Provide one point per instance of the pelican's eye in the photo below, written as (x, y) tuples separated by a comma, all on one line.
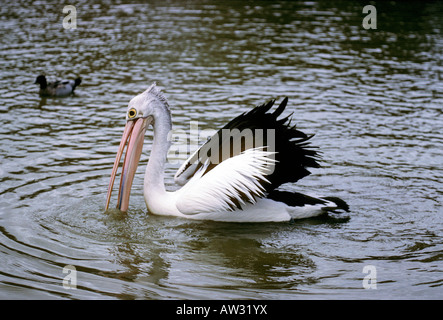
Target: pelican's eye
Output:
[(131, 113)]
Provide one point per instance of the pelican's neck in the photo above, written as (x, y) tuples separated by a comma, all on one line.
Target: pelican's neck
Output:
[(154, 176)]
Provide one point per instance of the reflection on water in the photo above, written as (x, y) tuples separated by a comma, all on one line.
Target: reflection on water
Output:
[(372, 97)]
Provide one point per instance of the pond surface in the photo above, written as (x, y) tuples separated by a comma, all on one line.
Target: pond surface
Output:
[(372, 97)]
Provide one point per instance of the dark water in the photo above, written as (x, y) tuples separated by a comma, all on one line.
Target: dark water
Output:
[(372, 97)]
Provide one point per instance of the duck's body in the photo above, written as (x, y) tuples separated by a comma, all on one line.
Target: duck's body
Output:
[(229, 178), (58, 88)]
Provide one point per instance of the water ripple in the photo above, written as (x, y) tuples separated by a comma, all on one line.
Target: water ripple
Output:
[(372, 97)]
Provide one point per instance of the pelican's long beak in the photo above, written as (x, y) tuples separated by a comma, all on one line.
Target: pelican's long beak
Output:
[(133, 135)]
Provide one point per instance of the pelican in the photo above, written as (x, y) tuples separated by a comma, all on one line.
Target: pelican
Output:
[(57, 88), (227, 178)]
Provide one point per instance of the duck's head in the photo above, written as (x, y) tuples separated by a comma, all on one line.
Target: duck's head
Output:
[(41, 79)]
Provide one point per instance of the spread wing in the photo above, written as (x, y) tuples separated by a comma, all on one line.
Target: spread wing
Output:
[(226, 152), (229, 185)]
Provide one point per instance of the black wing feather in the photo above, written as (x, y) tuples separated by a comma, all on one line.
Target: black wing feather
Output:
[(294, 154)]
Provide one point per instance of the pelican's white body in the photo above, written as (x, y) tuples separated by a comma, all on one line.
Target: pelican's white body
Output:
[(264, 210)]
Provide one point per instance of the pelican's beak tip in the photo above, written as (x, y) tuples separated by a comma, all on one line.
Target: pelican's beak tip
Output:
[(115, 213)]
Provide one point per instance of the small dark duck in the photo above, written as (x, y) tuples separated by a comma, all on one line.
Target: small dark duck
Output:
[(58, 88)]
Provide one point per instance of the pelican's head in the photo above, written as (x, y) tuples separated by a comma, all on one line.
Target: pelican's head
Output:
[(149, 103), (142, 110)]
